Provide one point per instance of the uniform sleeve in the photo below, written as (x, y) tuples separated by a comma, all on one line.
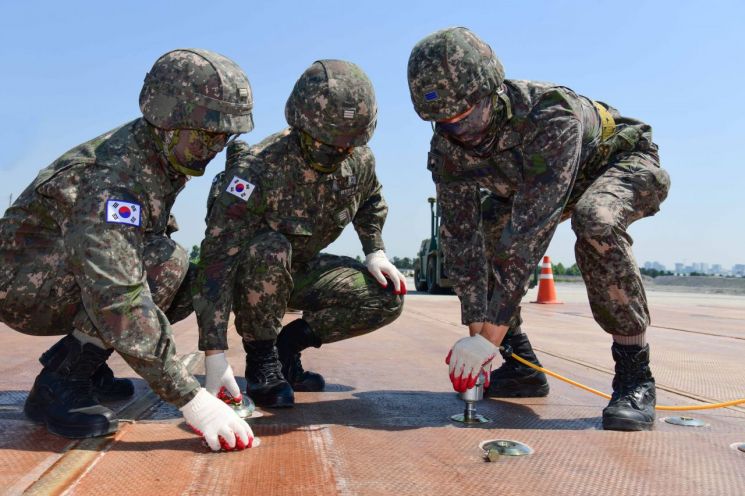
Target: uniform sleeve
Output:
[(370, 217), (231, 222), (551, 153), (106, 257), (461, 239)]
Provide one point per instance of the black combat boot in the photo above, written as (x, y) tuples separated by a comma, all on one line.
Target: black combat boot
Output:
[(294, 338), (265, 383), (106, 387), (62, 396), (513, 379), (631, 407)]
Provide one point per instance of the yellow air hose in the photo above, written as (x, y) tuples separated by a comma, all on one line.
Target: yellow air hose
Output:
[(607, 397)]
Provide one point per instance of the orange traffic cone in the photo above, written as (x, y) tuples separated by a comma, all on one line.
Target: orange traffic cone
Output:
[(546, 288)]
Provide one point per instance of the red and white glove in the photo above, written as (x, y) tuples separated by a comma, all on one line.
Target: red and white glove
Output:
[(219, 374), (379, 266), (467, 358), (217, 422)]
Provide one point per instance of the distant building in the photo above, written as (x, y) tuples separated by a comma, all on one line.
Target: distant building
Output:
[(680, 268), (738, 270), (654, 266)]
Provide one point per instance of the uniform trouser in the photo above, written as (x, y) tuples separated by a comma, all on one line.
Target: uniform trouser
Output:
[(43, 299), (338, 296), (631, 186)]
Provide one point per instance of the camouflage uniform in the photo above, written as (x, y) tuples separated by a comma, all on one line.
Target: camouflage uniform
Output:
[(549, 163), (550, 154), (64, 267), (261, 251), (86, 245)]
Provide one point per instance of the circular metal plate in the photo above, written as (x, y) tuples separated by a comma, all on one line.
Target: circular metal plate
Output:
[(254, 414), (476, 419), (685, 421), (245, 409), (498, 447), (738, 446)]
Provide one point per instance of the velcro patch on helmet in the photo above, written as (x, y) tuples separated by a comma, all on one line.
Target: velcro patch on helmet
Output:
[(431, 95), (349, 113), (121, 212), (240, 188)]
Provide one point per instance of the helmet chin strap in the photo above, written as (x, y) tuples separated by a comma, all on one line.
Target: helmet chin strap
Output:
[(324, 169), (506, 103), (307, 149)]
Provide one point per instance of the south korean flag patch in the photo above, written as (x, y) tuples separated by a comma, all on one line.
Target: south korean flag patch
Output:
[(240, 188), (121, 212)]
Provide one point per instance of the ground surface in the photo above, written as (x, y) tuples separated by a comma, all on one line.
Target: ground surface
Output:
[(383, 426)]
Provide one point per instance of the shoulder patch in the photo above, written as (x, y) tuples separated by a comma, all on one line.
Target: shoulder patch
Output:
[(122, 212), (240, 188)]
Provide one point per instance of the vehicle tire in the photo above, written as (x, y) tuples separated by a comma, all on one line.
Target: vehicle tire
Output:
[(419, 284), (432, 286)]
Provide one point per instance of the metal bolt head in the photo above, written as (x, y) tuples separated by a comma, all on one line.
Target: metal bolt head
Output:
[(493, 455)]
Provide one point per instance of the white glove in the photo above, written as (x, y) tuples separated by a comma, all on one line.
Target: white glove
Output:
[(219, 374), (217, 422), (379, 266), (467, 358)]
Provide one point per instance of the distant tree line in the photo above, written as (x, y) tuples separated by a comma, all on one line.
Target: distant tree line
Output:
[(559, 270), (655, 273), (403, 263)]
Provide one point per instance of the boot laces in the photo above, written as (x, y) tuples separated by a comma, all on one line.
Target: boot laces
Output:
[(267, 365), (79, 380), (630, 378), (296, 368)]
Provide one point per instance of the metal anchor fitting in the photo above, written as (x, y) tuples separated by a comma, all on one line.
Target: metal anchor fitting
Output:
[(470, 397)]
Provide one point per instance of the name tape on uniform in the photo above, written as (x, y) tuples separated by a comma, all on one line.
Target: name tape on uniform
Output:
[(121, 212), (240, 188)]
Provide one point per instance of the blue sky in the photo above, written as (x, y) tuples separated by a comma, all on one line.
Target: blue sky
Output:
[(72, 70)]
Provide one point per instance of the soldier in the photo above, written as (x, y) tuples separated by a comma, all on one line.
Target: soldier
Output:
[(85, 253), (544, 154), (272, 211)]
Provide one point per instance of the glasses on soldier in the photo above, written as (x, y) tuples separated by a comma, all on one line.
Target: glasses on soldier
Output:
[(215, 142), (473, 122)]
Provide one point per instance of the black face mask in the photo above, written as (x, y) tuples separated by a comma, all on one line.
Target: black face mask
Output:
[(322, 157), (477, 130)]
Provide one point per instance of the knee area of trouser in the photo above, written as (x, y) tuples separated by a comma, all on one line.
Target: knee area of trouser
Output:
[(592, 222), (393, 306)]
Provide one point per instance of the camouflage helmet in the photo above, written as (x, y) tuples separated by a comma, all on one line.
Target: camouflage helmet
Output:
[(334, 102), (197, 89), (450, 71)]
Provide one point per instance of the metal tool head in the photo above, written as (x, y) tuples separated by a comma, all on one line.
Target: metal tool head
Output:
[(470, 397), (476, 393)]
